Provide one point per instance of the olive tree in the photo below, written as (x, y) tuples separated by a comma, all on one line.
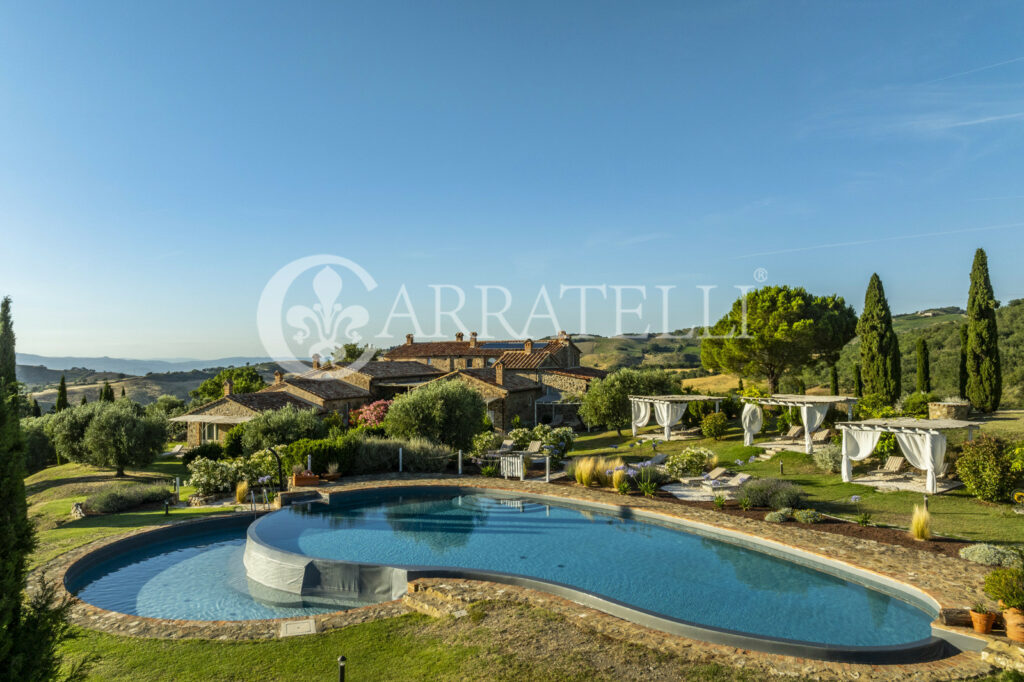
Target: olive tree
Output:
[(446, 412), (606, 402), (121, 434)]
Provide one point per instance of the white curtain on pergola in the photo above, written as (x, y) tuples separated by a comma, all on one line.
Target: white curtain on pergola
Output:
[(668, 414), (924, 450), (752, 419), (641, 414), (857, 445), (812, 416)]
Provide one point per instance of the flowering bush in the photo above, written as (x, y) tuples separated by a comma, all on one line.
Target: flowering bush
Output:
[(690, 462), (483, 442), (558, 442), (372, 414), (210, 476)]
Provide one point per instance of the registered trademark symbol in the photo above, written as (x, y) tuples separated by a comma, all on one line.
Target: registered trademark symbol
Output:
[(760, 275)]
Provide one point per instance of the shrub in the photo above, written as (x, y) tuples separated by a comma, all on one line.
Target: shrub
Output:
[(921, 524), (446, 412), (38, 448), (482, 442), (1006, 585), (828, 458), (118, 497), (782, 422), (377, 455), (232, 444), (719, 501), (281, 427), (520, 438), (776, 517), (714, 425), (984, 466), (690, 462), (731, 407), (211, 476), (322, 452), (211, 451), (489, 470), (557, 441), (771, 492), (991, 555), (372, 414), (808, 516), (916, 404)]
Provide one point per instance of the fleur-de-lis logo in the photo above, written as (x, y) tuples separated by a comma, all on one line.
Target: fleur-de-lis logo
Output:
[(321, 327), (326, 316)]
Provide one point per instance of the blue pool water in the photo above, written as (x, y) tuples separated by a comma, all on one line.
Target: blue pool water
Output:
[(199, 577), (657, 568)]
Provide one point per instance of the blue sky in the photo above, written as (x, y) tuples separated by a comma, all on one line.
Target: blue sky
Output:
[(159, 162)]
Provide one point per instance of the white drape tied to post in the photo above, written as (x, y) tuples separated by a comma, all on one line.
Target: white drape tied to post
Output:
[(752, 419), (668, 415), (924, 451), (857, 445), (641, 414), (812, 416)]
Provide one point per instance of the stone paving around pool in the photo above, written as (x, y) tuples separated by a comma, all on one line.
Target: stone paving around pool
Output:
[(953, 583)]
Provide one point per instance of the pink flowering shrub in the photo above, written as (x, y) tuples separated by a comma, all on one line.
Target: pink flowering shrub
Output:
[(372, 414)]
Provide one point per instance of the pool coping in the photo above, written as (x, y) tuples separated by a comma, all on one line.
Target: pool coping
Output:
[(952, 583)]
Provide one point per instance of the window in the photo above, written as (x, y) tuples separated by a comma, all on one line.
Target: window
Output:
[(209, 432)]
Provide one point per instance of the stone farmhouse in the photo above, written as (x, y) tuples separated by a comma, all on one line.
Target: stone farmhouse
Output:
[(517, 379)]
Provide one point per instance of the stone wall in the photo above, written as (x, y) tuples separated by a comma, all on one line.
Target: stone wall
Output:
[(949, 410)]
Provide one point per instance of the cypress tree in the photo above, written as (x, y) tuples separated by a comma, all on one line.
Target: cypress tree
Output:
[(879, 347), (107, 393), (84, 400), (122, 392), (740, 388), (924, 374), (62, 395), (31, 629), (36, 410), (858, 383), (962, 375), (835, 380), (984, 375), (8, 377)]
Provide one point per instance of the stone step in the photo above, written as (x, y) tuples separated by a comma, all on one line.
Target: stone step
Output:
[(432, 605)]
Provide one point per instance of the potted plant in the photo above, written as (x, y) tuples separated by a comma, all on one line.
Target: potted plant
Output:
[(1007, 586), (982, 618), (332, 472), (300, 477)]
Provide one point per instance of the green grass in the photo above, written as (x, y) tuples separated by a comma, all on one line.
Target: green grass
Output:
[(954, 514), (52, 491)]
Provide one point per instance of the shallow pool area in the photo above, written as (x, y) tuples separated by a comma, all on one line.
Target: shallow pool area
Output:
[(197, 577)]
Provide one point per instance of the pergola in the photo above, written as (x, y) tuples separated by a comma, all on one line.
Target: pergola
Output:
[(922, 441), (813, 409), (668, 409)]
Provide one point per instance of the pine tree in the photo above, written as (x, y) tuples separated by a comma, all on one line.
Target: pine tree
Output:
[(8, 377), (962, 375), (36, 410), (62, 395), (924, 374), (858, 383), (984, 375), (879, 347), (835, 380)]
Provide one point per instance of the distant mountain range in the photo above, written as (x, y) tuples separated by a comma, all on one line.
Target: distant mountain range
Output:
[(130, 366)]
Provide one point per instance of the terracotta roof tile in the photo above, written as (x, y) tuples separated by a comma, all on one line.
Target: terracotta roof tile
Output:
[(512, 382), (377, 369), (328, 388), (581, 372)]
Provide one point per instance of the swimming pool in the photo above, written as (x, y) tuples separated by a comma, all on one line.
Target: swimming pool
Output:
[(652, 567), (662, 572)]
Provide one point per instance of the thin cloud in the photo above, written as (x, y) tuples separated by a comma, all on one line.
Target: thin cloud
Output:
[(977, 70), (880, 240)]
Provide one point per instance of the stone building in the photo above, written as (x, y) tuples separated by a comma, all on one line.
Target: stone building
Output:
[(507, 395), (211, 422)]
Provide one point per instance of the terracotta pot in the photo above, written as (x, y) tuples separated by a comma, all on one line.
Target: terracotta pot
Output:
[(1014, 624), (330, 477), (983, 621), (300, 480)]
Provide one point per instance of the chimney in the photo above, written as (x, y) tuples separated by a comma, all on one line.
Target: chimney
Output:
[(472, 340), (562, 336), (408, 339), (316, 361), (278, 377), (458, 336), (499, 373), (528, 346), (228, 385)]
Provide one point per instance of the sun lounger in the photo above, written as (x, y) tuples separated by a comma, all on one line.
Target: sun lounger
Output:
[(533, 448), (893, 465), (506, 446), (734, 482), (795, 432), (821, 436)]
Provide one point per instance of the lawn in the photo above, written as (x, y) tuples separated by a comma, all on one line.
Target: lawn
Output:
[(955, 514), (52, 491)]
